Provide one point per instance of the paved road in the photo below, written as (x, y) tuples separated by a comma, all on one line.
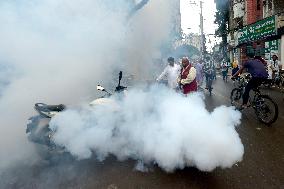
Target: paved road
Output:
[(262, 166)]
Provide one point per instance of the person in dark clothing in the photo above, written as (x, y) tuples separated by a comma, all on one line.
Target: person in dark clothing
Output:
[(261, 60), (258, 72), (208, 71), (235, 69), (224, 69)]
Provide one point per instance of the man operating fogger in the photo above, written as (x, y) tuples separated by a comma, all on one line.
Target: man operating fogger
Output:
[(171, 72)]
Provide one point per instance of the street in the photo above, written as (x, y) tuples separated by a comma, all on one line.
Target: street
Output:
[(262, 165)]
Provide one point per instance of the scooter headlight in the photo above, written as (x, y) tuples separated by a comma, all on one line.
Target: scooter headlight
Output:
[(29, 121)]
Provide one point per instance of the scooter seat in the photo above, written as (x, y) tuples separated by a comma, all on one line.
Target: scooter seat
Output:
[(49, 108)]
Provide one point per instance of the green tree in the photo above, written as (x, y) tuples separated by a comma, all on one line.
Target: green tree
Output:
[(222, 20), (186, 50)]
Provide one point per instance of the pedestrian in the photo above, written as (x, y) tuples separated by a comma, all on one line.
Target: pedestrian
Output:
[(199, 73), (235, 68), (187, 78), (258, 72), (269, 71), (224, 69), (275, 68), (171, 72)]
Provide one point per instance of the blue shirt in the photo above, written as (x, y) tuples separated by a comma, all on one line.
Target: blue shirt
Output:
[(256, 68)]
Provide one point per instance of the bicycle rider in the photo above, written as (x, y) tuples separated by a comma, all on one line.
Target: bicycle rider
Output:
[(209, 71), (258, 72)]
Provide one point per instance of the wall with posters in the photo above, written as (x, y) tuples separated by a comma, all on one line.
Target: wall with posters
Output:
[(271, 48)]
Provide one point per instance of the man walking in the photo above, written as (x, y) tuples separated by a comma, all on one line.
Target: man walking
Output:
[(199, 73), (171, 72), (275, 69)]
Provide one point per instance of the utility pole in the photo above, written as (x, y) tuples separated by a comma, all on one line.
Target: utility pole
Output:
[(202, 36), (203, 40)]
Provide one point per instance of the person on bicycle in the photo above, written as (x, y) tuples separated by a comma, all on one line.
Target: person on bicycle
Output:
[(208, 71), (214, 71), (171, 72), (258, 72), (187, 78)]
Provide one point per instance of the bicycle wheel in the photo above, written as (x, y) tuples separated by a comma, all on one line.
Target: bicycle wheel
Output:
[(266, 109), (267, 83), (210, 81), (210, 90), (236, 96)]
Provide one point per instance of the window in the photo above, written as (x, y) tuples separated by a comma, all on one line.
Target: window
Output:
[(258, 4)]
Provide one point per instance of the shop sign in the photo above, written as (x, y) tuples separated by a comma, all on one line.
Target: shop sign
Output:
[(259, 30), (271, 47)]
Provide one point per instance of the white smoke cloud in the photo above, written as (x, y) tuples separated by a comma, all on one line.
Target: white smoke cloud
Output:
[(59, 50), (56, 51), (153, 125)]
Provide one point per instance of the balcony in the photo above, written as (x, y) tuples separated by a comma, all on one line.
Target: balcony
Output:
[(239, 8)]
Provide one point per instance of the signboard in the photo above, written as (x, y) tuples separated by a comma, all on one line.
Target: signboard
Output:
[(271, 47), (259, 30)]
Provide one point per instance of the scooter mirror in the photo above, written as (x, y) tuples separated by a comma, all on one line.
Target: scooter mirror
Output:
[(100, 88), (120, 75)]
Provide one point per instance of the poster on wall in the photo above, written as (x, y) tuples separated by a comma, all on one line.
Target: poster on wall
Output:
[(271, 48)]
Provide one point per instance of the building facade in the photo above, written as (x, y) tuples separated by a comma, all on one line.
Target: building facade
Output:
[(177, 17), (190, 39), (256, 25)]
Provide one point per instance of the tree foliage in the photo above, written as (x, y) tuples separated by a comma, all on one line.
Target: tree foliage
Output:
[(186, 50), (222, 19)]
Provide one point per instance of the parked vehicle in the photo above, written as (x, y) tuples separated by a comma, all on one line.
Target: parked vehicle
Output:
[(38, 130)]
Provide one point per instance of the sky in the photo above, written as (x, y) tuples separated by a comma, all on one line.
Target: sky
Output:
[(190, 17)]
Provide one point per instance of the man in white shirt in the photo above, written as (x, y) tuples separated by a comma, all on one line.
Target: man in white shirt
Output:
[(275, 66), (171, 72)]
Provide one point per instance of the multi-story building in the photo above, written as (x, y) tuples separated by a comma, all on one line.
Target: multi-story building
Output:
[(177, 17), (190, 39), (256, 25)]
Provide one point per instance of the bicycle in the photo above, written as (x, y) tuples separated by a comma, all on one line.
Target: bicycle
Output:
[(278, 81), (281, 78), (265, 108), (209, 81)]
